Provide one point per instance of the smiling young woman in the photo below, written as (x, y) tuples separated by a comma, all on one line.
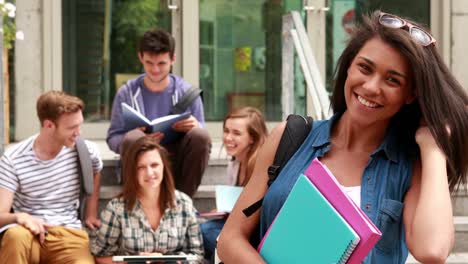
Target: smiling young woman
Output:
[(393, 100), (244, 131), (150, 216)]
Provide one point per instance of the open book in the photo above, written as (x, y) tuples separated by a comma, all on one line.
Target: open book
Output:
[(158, 259), (308, 229), (133, 119), (326, 183)]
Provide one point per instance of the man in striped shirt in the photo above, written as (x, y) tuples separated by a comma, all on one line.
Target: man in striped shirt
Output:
[(39, 179)]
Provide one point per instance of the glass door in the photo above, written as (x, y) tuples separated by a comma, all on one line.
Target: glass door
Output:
[(240, 55)]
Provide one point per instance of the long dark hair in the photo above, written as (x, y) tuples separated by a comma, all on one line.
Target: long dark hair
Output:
[(441, 100), (129, 168)]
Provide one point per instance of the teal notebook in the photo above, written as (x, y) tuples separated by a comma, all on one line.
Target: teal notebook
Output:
[(308, 229)]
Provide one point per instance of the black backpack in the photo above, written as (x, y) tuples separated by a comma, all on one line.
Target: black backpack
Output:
[(296, 130)]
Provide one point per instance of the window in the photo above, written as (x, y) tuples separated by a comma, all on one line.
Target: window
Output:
[(100, 43)]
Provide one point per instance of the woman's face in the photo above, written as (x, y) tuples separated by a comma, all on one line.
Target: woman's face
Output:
[(236, 137), (150, 170), (378, 83)]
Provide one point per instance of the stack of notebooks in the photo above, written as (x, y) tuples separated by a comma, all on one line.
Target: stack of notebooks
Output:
[(133, 119), (318, 223)]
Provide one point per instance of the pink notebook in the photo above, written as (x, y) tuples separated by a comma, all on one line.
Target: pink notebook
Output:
[(326, 183)]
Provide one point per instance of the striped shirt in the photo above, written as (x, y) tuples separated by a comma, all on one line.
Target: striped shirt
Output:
[(47, 189), (124, 232)]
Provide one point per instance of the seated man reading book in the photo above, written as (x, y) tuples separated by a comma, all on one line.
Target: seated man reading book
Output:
[(153, 94)]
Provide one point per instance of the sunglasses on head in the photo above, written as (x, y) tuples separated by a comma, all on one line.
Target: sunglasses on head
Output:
[(418, 34)]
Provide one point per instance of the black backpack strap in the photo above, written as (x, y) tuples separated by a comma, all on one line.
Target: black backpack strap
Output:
[(253, 208), (186, 100), (296, 130)]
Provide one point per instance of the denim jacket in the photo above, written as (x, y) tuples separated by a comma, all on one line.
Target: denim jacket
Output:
[(384, 183)]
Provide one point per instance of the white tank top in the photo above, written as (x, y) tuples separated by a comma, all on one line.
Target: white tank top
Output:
[(354, 192)]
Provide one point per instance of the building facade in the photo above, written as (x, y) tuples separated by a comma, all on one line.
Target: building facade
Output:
[(229, 48)]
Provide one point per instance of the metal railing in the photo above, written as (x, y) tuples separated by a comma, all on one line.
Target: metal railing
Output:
[(295, 39)]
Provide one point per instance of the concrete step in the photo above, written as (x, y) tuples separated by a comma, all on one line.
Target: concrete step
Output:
[(461, 234), (204, 198), (454, 258), (460, 201), (214, 174)]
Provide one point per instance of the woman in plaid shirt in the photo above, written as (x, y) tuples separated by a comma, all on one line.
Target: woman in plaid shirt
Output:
[(150, 216)]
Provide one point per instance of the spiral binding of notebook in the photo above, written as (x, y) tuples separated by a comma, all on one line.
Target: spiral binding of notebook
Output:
[(347, 254)]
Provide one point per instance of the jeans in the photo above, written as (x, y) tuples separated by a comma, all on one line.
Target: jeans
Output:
[(210, 231)]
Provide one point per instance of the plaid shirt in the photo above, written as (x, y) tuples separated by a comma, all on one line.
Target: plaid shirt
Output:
[(127, 233)]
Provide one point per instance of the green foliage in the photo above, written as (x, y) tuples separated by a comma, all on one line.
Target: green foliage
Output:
[(134, 16), (7, 11), (130, 19), (9, 33)]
